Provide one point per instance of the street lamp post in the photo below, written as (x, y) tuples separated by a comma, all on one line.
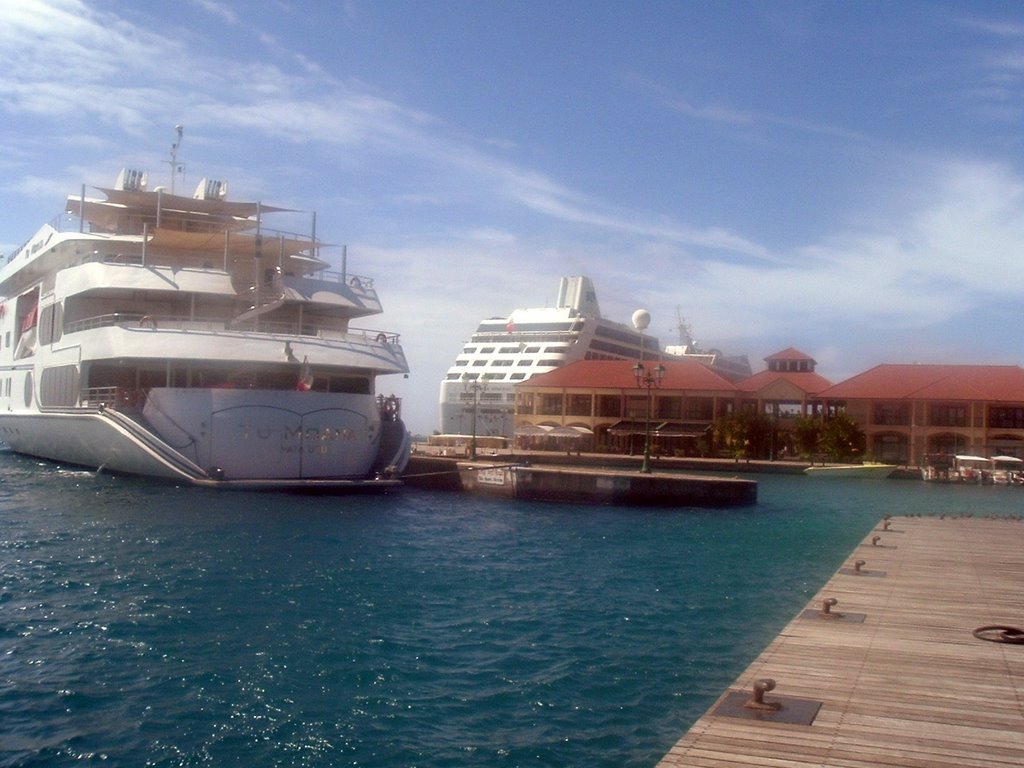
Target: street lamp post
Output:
[(474, 388), (649, 379)]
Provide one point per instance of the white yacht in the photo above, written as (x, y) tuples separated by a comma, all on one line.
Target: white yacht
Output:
[(505, 351), (176, 337)]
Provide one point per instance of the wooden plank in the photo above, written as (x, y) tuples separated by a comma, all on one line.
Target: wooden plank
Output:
[(910, 686)]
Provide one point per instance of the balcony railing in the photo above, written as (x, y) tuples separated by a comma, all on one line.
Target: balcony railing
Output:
[(132, 320)]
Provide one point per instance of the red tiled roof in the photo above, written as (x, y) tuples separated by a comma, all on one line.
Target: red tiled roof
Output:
[(807, 381), (618, 374), (790, 353), (991, 383)]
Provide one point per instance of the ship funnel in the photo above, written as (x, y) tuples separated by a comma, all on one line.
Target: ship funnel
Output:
[(579, 294), (129, 180), (211, 189)]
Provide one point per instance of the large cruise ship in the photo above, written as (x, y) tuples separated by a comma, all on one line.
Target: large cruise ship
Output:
[(505, 351), (178, 337)]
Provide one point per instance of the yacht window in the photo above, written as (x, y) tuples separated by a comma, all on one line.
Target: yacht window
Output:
[(479, 362), (460, 362), (485, 350), (530, 350), (508, 350), (518, 376), (555, 350), (553, 363), (525, 362), (469, 349), (501, 363)]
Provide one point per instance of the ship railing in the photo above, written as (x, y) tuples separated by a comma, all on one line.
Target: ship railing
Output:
[(358, 282), (514, 336), (95, 397), (132, 320)]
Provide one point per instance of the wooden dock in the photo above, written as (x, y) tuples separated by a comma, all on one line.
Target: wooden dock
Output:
[(899, 678)]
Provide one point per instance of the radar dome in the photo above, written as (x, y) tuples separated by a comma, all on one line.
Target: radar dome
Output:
[(641, 319)]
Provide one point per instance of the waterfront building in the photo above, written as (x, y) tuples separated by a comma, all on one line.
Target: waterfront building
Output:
[(908, 412), (786, 390), (597, 404)]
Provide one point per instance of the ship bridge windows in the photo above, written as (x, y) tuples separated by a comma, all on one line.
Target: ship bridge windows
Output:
[(615, 349)]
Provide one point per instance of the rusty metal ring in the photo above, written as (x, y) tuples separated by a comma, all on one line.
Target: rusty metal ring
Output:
[(998, 633)]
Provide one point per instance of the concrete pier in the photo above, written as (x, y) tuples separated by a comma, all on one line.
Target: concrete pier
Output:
[(583, 485), (514, 479)]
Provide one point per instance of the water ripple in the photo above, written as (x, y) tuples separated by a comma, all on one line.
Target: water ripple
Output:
[(158, 626)]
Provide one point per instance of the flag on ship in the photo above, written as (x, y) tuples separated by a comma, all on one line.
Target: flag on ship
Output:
[(305, 382)]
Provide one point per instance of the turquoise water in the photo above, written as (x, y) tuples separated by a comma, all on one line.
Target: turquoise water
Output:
[(143, 624)]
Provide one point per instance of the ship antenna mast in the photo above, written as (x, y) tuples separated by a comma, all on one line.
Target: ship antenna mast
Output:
[(685, 332), (175, 168)]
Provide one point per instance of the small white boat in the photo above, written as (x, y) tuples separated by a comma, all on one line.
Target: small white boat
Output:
[(869, 469)]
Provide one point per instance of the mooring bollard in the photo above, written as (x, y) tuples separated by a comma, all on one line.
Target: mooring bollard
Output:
[(858, 565), (756, 701), (826, 609), (875, 540)]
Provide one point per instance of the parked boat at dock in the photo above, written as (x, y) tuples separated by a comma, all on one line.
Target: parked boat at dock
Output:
[(976, 470), (177, 337), (867, 470)]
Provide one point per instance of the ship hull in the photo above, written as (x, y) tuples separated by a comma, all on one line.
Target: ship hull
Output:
[(212, 437)]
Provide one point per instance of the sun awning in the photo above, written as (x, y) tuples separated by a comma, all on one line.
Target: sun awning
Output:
[(628, 428), (238, 245), (677, 430), (572, 432), (532, 430)]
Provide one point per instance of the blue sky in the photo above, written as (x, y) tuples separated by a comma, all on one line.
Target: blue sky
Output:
[(846, 178)]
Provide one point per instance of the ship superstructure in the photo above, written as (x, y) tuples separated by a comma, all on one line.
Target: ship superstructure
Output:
[(732, 367), (504, 351)]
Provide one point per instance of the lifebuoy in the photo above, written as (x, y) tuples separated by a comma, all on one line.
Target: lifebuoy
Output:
[(146, 321), (382, 338)]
